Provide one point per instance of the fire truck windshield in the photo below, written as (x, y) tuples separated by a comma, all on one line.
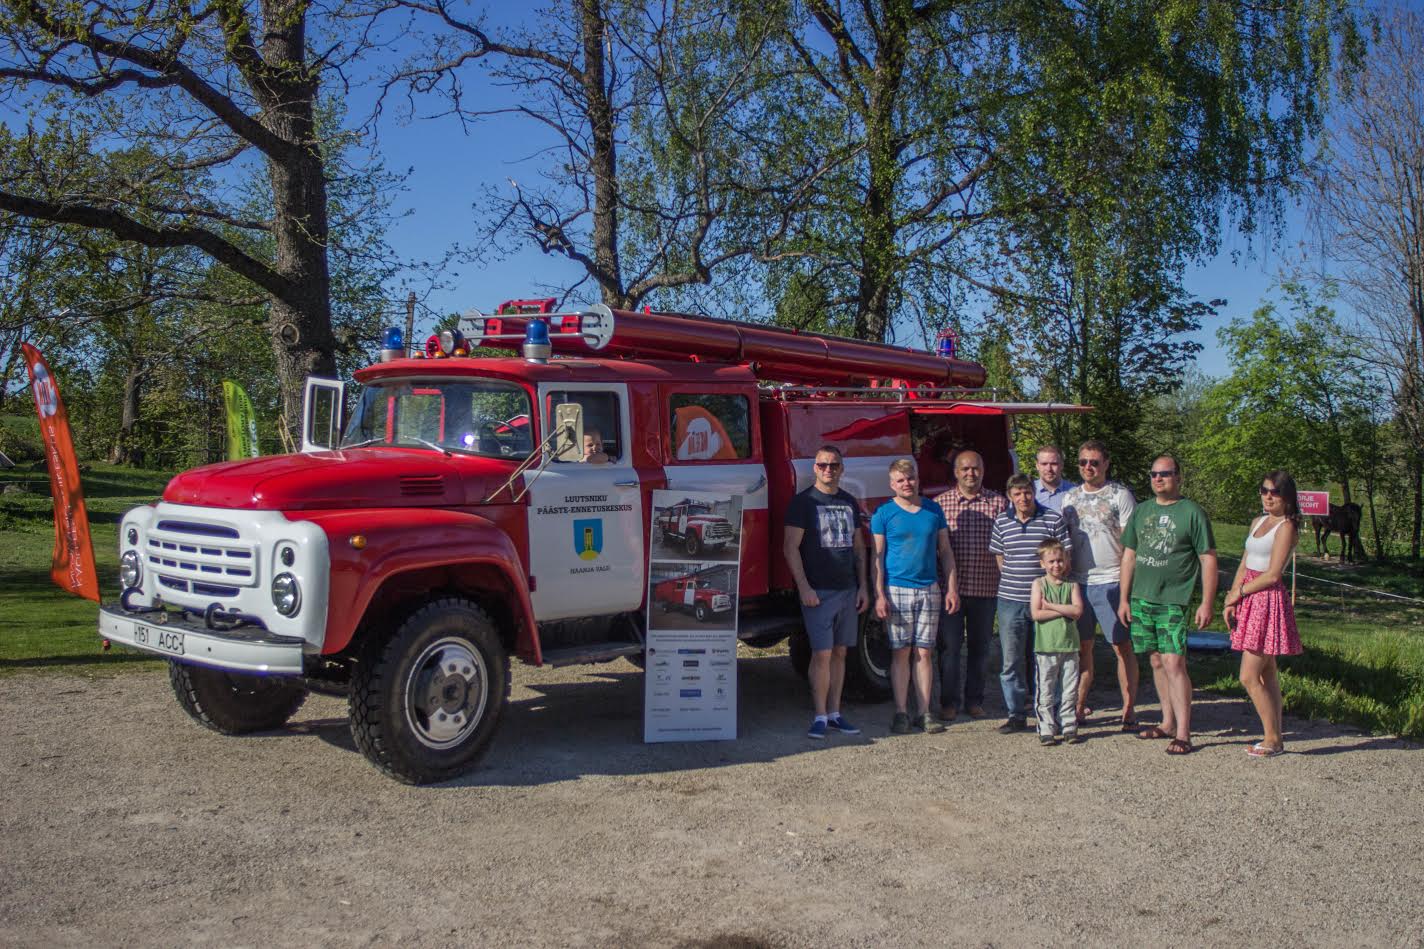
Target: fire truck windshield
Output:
[(481, 418)]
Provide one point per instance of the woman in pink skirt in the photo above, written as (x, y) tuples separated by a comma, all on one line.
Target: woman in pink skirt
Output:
[(1258, 608)]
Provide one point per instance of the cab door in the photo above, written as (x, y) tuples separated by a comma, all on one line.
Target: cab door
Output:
[(587, 550), (713, 443)]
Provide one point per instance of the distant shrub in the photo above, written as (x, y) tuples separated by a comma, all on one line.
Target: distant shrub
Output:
[(20, 438)]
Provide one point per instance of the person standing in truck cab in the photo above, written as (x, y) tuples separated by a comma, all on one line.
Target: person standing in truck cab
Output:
[(593, 453), (826, 556)]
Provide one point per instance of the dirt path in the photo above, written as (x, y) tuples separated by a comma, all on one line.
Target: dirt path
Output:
[(123, 823)]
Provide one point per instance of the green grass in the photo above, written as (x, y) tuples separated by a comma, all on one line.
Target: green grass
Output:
[(1363, 662), (41, 626)]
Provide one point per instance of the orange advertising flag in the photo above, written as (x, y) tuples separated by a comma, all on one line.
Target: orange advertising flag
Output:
[(72, 565)]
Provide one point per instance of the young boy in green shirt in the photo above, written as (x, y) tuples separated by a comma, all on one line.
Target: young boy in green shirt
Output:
[(1055, 604)]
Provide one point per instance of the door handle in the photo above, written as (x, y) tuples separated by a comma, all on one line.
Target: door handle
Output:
[(626, 484)]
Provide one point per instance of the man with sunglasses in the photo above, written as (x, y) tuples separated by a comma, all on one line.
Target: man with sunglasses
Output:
[(1097, 511), (1166, 545), (826, 555)]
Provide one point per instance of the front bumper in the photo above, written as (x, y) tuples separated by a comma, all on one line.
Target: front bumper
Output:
[(245, 649)]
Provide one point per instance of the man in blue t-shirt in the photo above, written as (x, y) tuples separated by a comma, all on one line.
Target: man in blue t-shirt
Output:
[(912, 552), (826, 556)]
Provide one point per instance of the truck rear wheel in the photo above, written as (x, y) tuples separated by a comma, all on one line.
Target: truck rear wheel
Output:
[(232, 703), (867, 677), (425, 703)]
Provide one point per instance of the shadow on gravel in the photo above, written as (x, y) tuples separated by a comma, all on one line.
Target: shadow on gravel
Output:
[(594, 726)]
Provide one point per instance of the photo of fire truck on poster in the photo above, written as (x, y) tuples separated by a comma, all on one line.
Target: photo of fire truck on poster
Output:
[(690, 688)]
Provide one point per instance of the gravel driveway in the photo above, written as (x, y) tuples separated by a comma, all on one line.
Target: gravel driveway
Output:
[(124, 823)]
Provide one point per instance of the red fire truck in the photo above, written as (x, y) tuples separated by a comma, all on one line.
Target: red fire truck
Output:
[(447, 522), (702, 593), (694, 526)]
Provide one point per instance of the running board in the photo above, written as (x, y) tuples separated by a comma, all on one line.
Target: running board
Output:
[(773, 626), (587, 653)]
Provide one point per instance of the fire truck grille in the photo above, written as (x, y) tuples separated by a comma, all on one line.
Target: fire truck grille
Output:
[(719, 531), (204, 559)]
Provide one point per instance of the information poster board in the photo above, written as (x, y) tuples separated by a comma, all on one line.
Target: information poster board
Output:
[(1314, 502), (690, 684)]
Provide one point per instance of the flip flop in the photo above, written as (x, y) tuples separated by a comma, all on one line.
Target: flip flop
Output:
[(1180, 746), (1152, 732), (1262, 750)]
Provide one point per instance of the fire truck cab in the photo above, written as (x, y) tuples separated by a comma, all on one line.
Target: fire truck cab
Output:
[(447, 521)]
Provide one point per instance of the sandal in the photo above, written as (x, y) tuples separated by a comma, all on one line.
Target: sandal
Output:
[(1152, 732), (1263, 750), (1129, 725), (1179, 746)]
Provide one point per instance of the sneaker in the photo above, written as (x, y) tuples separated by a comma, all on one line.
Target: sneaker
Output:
[(900, 724), (1012, 725), (817, 729), (842, 724), (1048, 741), (1073, 738), (977, 711), (918, 723), (947, 714)]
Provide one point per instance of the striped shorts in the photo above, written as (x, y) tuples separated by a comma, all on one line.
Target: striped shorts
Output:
[(914, 616)]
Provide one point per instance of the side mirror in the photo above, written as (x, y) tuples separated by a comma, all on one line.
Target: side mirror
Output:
[(568, 428), (323, 414)]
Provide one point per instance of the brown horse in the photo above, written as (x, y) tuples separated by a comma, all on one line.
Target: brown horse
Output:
[(1345, 521)]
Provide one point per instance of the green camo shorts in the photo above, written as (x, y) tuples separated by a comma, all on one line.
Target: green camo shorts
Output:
[(1159, 627)]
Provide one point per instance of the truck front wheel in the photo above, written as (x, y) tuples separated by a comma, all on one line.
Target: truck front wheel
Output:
[(425, 703), (693, 544), (232, 703), (703, 613)]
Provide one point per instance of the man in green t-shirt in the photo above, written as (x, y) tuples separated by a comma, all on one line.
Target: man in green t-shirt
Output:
[(1166, 545)]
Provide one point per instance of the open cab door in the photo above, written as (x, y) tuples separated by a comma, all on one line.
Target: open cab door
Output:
[(323, 414)]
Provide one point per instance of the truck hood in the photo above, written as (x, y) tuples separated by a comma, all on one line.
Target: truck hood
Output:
[(706, 519), (362, 477)]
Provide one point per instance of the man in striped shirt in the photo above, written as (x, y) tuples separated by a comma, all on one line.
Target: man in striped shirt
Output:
[(1014, 543)]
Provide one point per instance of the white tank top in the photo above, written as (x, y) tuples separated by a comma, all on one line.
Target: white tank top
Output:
[(1258, 549)]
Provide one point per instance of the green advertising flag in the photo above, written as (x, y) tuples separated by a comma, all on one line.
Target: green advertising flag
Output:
[(241, 423)]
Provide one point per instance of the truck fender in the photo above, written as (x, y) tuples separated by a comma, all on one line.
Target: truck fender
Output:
[(373, 546)]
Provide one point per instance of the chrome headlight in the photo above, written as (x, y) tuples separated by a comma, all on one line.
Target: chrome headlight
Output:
[(286, 594), (130, 569)]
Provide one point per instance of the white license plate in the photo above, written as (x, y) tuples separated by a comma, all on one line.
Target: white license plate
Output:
[(164, 640)]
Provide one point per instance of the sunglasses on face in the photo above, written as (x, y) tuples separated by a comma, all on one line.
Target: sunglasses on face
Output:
[(1270, 492), (828, 465), (1090, 462), (1164, 474)]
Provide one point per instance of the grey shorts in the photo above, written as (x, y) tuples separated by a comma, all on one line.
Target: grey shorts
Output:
[(834, 622), (1100, 608), (914, 616)]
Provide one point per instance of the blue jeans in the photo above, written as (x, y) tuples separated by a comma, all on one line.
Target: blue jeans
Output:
[(1016, 643), (974, 622)]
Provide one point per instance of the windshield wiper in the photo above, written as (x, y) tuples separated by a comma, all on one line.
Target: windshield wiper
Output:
[(402, 438)]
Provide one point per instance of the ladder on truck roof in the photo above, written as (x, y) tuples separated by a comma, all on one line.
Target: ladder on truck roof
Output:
[(772, 352)]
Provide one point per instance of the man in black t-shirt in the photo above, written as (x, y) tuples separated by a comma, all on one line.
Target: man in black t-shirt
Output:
[(826, 554)]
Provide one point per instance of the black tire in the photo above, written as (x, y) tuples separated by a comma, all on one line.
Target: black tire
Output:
[(426, 702), (798, 647), (231, 703), (693, 544), (867, 676), (703, 613)]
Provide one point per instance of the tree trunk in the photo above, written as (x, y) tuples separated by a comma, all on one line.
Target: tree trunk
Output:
[(123, 452), (300, 321), (879, 259), (1418, 492), (603, 161)]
